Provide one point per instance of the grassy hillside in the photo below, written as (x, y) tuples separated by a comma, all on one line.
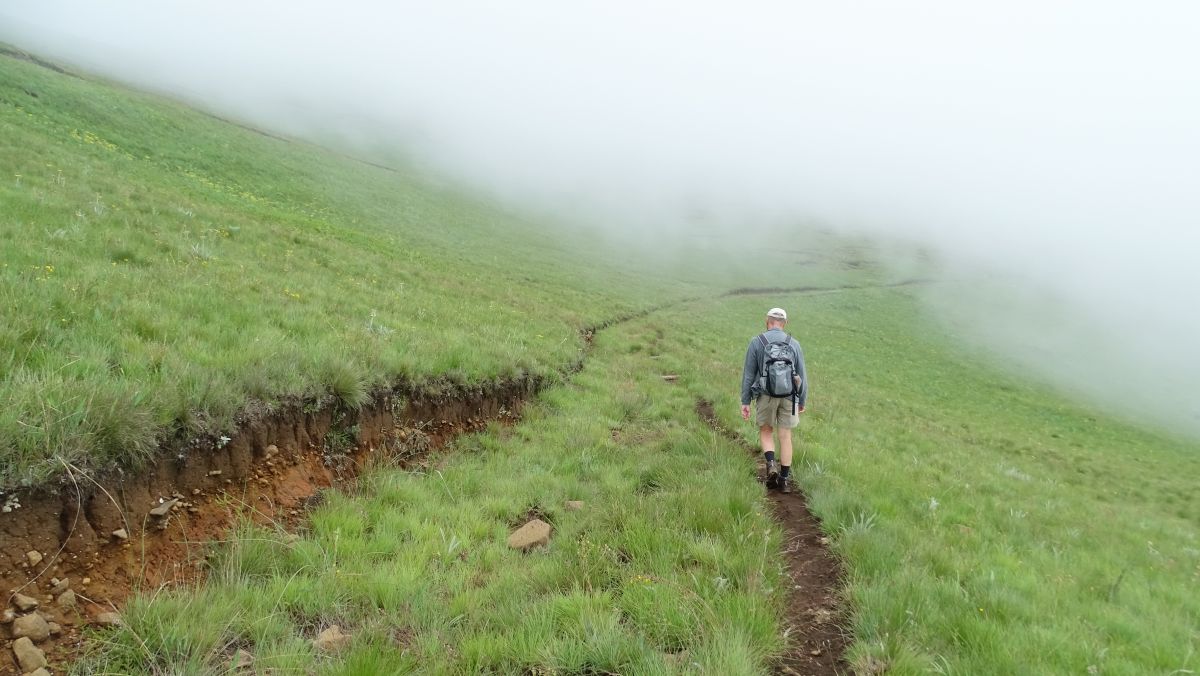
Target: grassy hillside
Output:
[(987, 526), (163, 269)]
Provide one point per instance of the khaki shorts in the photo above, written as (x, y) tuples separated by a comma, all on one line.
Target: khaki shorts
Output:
[(775, 412)]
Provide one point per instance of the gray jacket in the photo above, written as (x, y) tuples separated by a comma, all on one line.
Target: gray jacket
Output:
[(754, 363)]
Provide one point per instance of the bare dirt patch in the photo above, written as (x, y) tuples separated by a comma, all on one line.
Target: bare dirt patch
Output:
[(815, 615)]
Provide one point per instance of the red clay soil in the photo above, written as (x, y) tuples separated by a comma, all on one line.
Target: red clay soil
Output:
[(816, 640), (269, 471)]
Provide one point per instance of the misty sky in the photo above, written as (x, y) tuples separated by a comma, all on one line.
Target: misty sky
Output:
[(1054, 145)]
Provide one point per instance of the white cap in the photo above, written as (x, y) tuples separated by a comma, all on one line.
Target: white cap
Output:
[(777, 313)]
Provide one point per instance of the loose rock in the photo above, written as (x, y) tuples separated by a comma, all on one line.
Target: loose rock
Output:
[(39, 672), (331, 640), (58, 586), (24, 603), (165, 508), (108, 620), (33, 625), (55, 628), (29, 656), (121, 534), (573, 505), (66, 599), (533, 534), (34, 557), (8, 616), (241, 660)]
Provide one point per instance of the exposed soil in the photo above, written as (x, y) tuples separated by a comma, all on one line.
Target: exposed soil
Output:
[(271, 470), (815, 616)]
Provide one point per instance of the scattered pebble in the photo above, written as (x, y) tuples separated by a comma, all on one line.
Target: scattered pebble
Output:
[(58, 586), (33, 625), (66, 599), (533, 534), (121, 534), (34, 557), (24, 603), (165, 508), (108, 620), (331, 640), (29, 656)]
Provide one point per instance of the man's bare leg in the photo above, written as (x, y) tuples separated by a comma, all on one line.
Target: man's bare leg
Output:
[(766, 436), (785, 447), (785, 459)]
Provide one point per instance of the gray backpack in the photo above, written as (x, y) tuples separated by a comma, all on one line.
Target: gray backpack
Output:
[(779, 377)]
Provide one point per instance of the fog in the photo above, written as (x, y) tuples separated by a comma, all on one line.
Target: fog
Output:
[(1049, 152)]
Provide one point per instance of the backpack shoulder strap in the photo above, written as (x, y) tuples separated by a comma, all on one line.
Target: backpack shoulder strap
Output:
[(762, 338)]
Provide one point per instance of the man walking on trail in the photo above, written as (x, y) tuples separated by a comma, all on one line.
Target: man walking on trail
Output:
[(774, 377)]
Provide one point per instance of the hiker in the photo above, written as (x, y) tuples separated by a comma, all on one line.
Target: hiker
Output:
[(774, 377)]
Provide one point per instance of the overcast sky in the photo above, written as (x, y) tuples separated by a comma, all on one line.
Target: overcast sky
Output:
[(1055, 144)]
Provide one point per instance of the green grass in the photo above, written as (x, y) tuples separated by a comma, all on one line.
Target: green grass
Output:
[(988, 526), (163, 270), (670, 567)]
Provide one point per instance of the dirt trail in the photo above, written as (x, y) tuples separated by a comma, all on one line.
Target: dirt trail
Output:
[(103, 535), (815, 616)]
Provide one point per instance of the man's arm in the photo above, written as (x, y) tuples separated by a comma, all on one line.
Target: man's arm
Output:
[(750, 370)]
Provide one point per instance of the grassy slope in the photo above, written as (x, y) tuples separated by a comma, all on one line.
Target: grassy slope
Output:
[(671, 566), (163, 269), (178, 268), (989, 527)]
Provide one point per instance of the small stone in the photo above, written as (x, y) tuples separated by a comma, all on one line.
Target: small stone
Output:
[(533, 534), (108, 620), (670, 378), (86, 581), (39, 672), (66, 599), (8, 616), (59, 586), (24, 603), (29, 656), (241, 660), (815, 652), (331, 640), (55, 628), (215, 472), (272, 450), (164, 509), (195, 491), (573, 505), (33, 625), (34, 557), (121, 534)]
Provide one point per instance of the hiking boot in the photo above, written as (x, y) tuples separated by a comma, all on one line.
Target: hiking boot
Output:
[(785, 485), (772, 476)]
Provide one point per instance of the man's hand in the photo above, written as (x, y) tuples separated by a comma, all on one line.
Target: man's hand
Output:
[(800, 410), (745, 412)]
